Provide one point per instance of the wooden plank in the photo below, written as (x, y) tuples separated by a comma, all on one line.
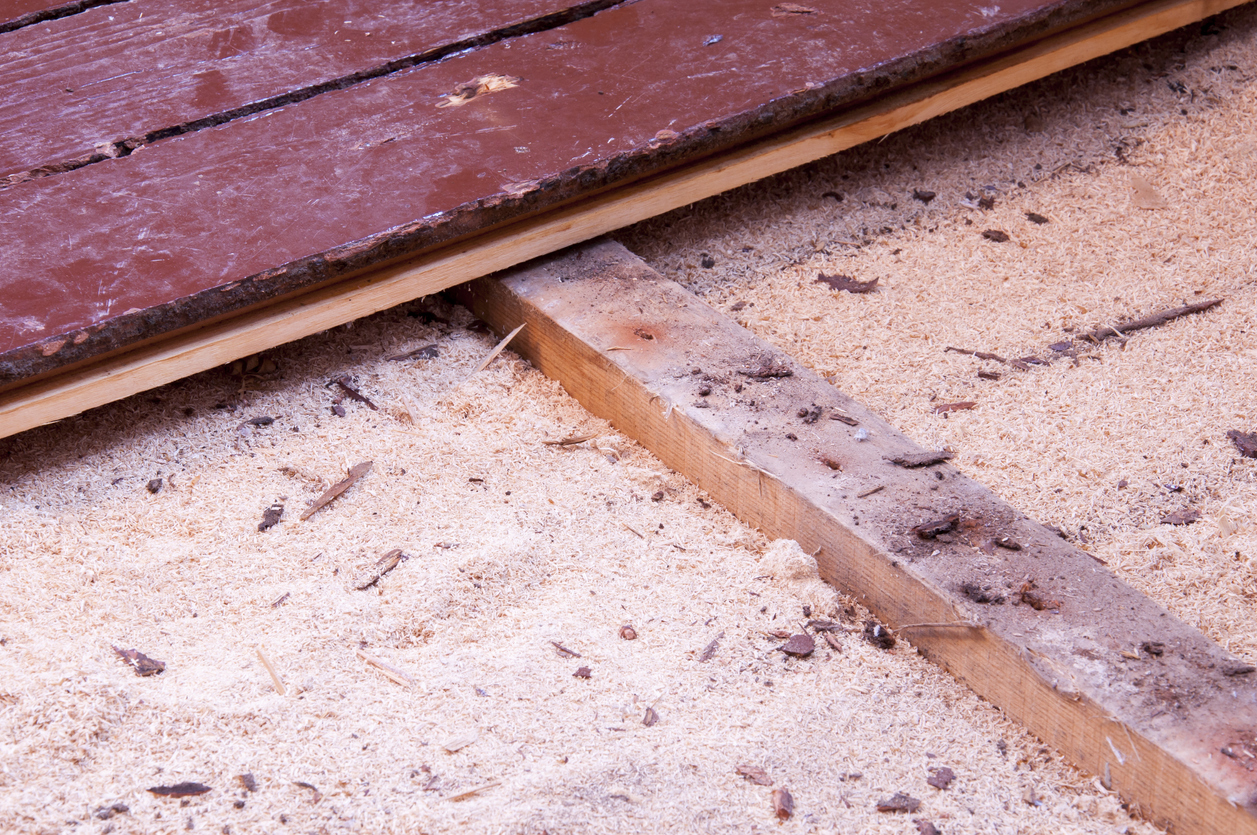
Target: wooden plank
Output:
[(37, 401), (16, 14), (208, 223), (1114, 681), (95, 85)]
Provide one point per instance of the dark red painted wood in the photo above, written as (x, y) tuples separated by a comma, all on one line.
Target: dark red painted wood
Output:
[(100, 82), (218, 220)]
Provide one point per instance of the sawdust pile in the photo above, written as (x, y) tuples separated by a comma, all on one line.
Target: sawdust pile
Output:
[(1103, 194), (485, 683)]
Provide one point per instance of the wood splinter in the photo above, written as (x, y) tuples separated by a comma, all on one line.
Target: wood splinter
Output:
[(336, 489), (382, 566)]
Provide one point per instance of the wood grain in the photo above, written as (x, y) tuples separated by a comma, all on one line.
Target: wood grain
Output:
[(1071, 668)]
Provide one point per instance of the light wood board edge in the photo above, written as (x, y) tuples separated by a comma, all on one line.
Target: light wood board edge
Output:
[(113, 378), (1158, 782)]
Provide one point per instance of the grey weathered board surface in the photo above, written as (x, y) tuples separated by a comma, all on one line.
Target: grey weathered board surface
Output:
[(1041, 629)]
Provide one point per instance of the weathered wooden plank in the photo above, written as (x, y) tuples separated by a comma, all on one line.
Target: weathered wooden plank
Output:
[(1117, 683), (36, 401), (16, 14), (216, 221), (101, 83)]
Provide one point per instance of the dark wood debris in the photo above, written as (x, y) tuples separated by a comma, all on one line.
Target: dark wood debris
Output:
[(1120, 330), (766, 367), (141, 663), (996, 235), (847, 419), (1245, 442), (831, 462), (651, 717), (1008, 543), (583, 672), (925, 827), (260, 420), (247, 782), (271, 516), (1182, 516), (382, 566), (900, 802), (941, 778), (1153, 648), (1027, 594), (353, 394), (181, 790), (357, 472), (628, 633), (710, 649), (962, 406), (982, 355), (564, 651), (929, 530), (104, 813), (427, 352), (878, 635), (924, 195), (783, 804), (800, 645), (1232, 670), (846, 282), (980, 594), (989, 375), (825, 626), (755, 774), (1035, 217), (810, 414), (154, 486), (921, 459)]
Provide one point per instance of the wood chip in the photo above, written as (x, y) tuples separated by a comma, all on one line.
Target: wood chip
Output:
[(427, 352), (800, 645), (833, 642), (755, 774), (996, 235), (900, 802), (247, 782), (275, 679), (1245, 442), (650, 718), (271, 516), (344, 384), (847, 283), (390, 672), (497, 349), (564, 651), (141, 663), (458, 743), (473, 792), (357, 472), (628, 633), (1182, 516), (583, 672), (925, 827), (929, 530), (962, 406), (575, 439), (941, 778), (865, 494), (783, 804), (181, 790), (710, 649), (382, 566), (921, 459)]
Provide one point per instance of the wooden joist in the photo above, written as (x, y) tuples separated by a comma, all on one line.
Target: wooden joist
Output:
[(35, 396), (1041, 629)]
